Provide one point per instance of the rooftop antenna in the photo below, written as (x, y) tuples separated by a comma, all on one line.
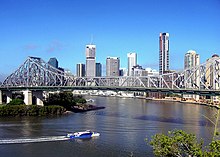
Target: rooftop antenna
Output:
[(91, 39)]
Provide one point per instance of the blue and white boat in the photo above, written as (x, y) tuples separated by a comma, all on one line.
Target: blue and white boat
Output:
[(83, 134)]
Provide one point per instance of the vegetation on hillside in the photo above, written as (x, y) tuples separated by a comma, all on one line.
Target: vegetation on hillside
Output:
[(55, 104), (30, 110)]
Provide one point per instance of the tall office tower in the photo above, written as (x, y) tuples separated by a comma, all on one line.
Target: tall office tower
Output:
[(112, 66), (80, 70), (163, 53), (90, 60), (132, 61), (98, 69), (212, 75), (192, 77), (53, 62)]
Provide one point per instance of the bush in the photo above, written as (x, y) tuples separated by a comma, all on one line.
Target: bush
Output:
[(16, 102)]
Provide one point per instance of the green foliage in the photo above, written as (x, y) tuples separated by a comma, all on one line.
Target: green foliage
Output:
[(213, 149), (173, 95), (31, 110), (16, 101), (65, 99), (176, 143), (179, 143)]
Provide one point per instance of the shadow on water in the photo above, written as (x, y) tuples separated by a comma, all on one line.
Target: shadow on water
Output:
[(154, 118), (173, 120)]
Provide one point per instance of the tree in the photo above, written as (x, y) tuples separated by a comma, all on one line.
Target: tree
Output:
[(16, 102), (179, 143), (65, 99), (214, 120), (176, 143)]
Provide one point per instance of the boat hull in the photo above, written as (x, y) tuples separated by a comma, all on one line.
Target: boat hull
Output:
[(83, 135)]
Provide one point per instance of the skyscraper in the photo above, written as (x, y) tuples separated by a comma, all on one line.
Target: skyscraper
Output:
[(90, 60), (132, 61), (98, 69), (192, 77), (80, 70), (163, 53), (112, 66), (53, 62)]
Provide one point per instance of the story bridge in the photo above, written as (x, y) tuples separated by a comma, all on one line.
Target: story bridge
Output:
[(35, 76)]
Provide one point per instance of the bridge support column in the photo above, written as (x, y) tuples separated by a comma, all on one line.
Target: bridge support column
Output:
[(27, 97), (0, 97), (145, 94), (39, 97), (8, 96)]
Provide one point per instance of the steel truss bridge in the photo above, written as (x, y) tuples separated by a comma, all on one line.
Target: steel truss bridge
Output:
[(36, 74)]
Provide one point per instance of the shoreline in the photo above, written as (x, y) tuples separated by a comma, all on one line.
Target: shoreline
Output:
[(186, 102), (157, 99)]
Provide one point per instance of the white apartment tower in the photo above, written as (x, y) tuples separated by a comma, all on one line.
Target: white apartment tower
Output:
[(90, 60), (212, 75), (192, 78), (192, 59), (132, 61), (163, 53)]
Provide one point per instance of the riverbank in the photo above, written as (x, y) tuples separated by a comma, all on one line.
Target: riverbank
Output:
[(167, 99), (180, 101)]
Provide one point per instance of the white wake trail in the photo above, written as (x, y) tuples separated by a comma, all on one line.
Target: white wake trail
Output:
[(33, 140)]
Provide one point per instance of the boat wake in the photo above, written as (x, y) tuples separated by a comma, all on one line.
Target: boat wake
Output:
[(33, 140)]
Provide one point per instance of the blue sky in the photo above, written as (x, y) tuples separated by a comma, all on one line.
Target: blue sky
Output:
[(62, 28)]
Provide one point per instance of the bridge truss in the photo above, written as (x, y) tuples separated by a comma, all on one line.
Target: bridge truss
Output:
[(35, 72)]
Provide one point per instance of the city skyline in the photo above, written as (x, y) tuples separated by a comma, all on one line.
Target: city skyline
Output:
[(57, 29)]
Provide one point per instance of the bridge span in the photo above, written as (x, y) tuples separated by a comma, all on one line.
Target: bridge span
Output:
[(35, 76)]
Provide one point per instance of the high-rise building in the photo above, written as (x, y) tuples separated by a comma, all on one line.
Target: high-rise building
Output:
[(98, 69), (137, 70), (212, 76), (163, 53), (53, 62), (132, 61), (192, 77), (80, 70), (112, 66), (90, 60), (123, 72), (192, 59)]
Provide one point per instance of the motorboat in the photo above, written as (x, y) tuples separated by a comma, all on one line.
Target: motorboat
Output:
[(90, 100), (83, 134)]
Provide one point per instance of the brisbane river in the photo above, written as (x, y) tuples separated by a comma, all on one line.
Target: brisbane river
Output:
[(123, 124)]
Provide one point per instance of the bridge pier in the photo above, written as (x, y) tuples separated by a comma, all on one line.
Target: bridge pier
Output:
[(0, 97), (39, 97), (27, 97), (8, 96)]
